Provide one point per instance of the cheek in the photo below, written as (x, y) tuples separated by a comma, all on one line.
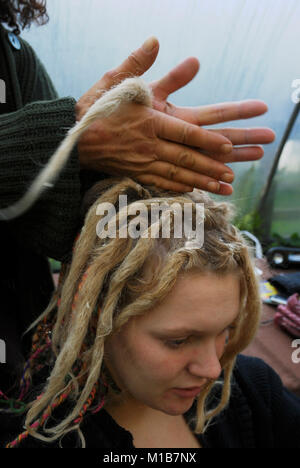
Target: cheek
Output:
[(143, 361), (158, 361)]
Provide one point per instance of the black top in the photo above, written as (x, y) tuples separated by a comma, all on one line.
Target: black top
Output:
[(261, 414)]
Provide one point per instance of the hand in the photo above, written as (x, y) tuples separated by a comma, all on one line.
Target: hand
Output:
[(214, 114), (166, 151), (111, 145)]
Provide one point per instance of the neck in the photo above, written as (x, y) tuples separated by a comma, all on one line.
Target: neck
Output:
[(130, 413)]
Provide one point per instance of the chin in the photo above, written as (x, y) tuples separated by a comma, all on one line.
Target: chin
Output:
[(176, 408), (176, 412)]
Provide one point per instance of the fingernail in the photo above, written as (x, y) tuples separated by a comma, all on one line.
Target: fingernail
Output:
[(149, 44), (213, 186), (227, 177), (227, 148)]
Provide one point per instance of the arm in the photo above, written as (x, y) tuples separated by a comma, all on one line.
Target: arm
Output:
[(28, 138)]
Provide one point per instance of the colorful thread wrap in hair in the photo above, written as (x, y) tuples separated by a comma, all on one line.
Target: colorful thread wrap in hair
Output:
[(42, 335)]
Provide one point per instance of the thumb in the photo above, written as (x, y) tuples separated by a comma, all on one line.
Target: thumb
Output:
[(136, 64)]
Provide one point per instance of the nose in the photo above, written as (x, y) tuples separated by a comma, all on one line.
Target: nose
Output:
[(204, 362)]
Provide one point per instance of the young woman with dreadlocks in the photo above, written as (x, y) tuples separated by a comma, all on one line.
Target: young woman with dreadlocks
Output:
[(143, 335)]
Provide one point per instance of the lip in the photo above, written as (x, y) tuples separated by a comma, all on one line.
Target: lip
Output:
[(187, 392)]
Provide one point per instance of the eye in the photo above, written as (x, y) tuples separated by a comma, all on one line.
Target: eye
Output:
[(175, 344), (227, 331)]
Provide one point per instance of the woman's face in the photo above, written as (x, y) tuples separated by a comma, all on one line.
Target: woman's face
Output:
[(163, 358)]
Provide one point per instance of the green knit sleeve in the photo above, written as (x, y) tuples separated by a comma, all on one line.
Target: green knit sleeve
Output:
[(28, 138)]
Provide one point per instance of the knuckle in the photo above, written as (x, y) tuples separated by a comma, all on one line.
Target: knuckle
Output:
[(246, 136), (220, 111), (137, 66), (148, 127), (173, 171), (169, 109), (155, 151), (226, 133), (109, 75), (186, 159), (147, 150), (185, 134)]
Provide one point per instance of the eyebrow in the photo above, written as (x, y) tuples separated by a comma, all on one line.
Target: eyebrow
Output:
[(186, 331), (180, 331)]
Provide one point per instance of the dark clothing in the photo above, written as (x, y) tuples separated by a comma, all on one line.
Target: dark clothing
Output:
[(33, 121), (261, 414), (32, 124)]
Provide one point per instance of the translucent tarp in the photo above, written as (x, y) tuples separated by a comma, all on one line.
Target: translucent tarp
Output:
[(247, 49)]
